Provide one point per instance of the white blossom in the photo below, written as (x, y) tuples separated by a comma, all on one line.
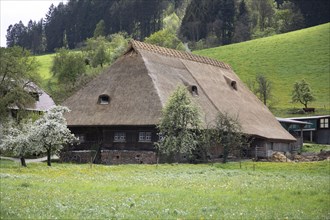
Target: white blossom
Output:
[(47, 134), (52, 133)]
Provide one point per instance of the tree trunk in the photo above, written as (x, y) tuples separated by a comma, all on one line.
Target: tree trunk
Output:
[(23, 162), (225, 154), (48, 157)]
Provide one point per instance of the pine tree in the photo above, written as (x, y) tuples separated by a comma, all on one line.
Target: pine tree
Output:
[(242, 25)]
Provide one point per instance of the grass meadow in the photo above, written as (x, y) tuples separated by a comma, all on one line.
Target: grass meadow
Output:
[(284, 59), (177, 191), (314, 148), (45, 63)]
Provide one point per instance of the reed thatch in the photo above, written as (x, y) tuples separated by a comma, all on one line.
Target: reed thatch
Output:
[(140, 82)]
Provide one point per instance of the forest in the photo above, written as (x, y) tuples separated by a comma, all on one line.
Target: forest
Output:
[(200, 24)]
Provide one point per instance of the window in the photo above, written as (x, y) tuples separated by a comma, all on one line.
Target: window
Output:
[(81, 138), (160, 137), (35, 95), (324, 123), (234, 85), (145, 136), (120, 137), (194, 90), (104, 99)]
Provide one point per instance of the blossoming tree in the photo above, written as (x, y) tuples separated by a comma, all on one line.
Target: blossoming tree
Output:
[(52, 133), (19, 141)]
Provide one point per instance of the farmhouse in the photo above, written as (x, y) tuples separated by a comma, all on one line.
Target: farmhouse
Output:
[(116, 113)]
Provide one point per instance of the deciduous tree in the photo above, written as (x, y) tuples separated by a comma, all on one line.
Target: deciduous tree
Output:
[(19, 140), (264, 88), (68, 66), (99, 29), (165, 38), (228, 133), (51, 132), (17, 69), (302, 93), (179, 125)]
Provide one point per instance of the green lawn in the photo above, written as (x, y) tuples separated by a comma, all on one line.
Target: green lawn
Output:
[(185, 191), (284, 59), (315, 148)]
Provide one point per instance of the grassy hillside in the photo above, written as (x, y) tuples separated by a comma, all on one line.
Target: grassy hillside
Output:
[(185, 191), (284, 59), (45, 62)]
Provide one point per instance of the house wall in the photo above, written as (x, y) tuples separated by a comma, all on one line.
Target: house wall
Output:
[(264, 148), (323, 136), (314, 132), (101, 140), (98, 144), (95, 137)]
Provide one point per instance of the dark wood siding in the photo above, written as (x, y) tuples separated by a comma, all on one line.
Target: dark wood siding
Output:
[(104, 137)]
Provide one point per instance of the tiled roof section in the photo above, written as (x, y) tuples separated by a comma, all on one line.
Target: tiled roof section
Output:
[(179, 54)]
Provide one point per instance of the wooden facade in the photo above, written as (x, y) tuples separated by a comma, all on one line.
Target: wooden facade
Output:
[(317, 130), (105, 137)]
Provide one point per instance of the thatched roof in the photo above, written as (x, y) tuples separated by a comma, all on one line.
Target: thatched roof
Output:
[(140, 82)]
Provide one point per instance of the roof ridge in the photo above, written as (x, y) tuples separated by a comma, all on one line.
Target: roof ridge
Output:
[(179, 54)]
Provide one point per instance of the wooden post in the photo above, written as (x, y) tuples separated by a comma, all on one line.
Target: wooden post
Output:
[(256, 153)]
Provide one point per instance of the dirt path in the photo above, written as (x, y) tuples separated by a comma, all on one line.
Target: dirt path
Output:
[(37, 160)]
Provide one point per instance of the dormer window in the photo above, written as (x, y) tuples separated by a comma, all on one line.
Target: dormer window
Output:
[(234, 85), (35, 95), (194, 90), (104, 99)]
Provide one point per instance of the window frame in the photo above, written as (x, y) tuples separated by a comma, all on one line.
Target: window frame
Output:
[(194, 90), (104, 99), (35, 95), (160, 137), (119, 136), (324, 123), (81, 138), (145, 136)]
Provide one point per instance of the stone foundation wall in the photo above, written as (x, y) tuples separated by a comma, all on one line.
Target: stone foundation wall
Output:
[(127, 157), (110, 157), (82, 156)]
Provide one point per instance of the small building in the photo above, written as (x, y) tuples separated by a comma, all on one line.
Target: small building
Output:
[(317, 130), (116, 113), (43, 101), (288, 124)]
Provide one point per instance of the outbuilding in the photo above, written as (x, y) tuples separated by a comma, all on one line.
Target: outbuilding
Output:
[(317, 130)]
